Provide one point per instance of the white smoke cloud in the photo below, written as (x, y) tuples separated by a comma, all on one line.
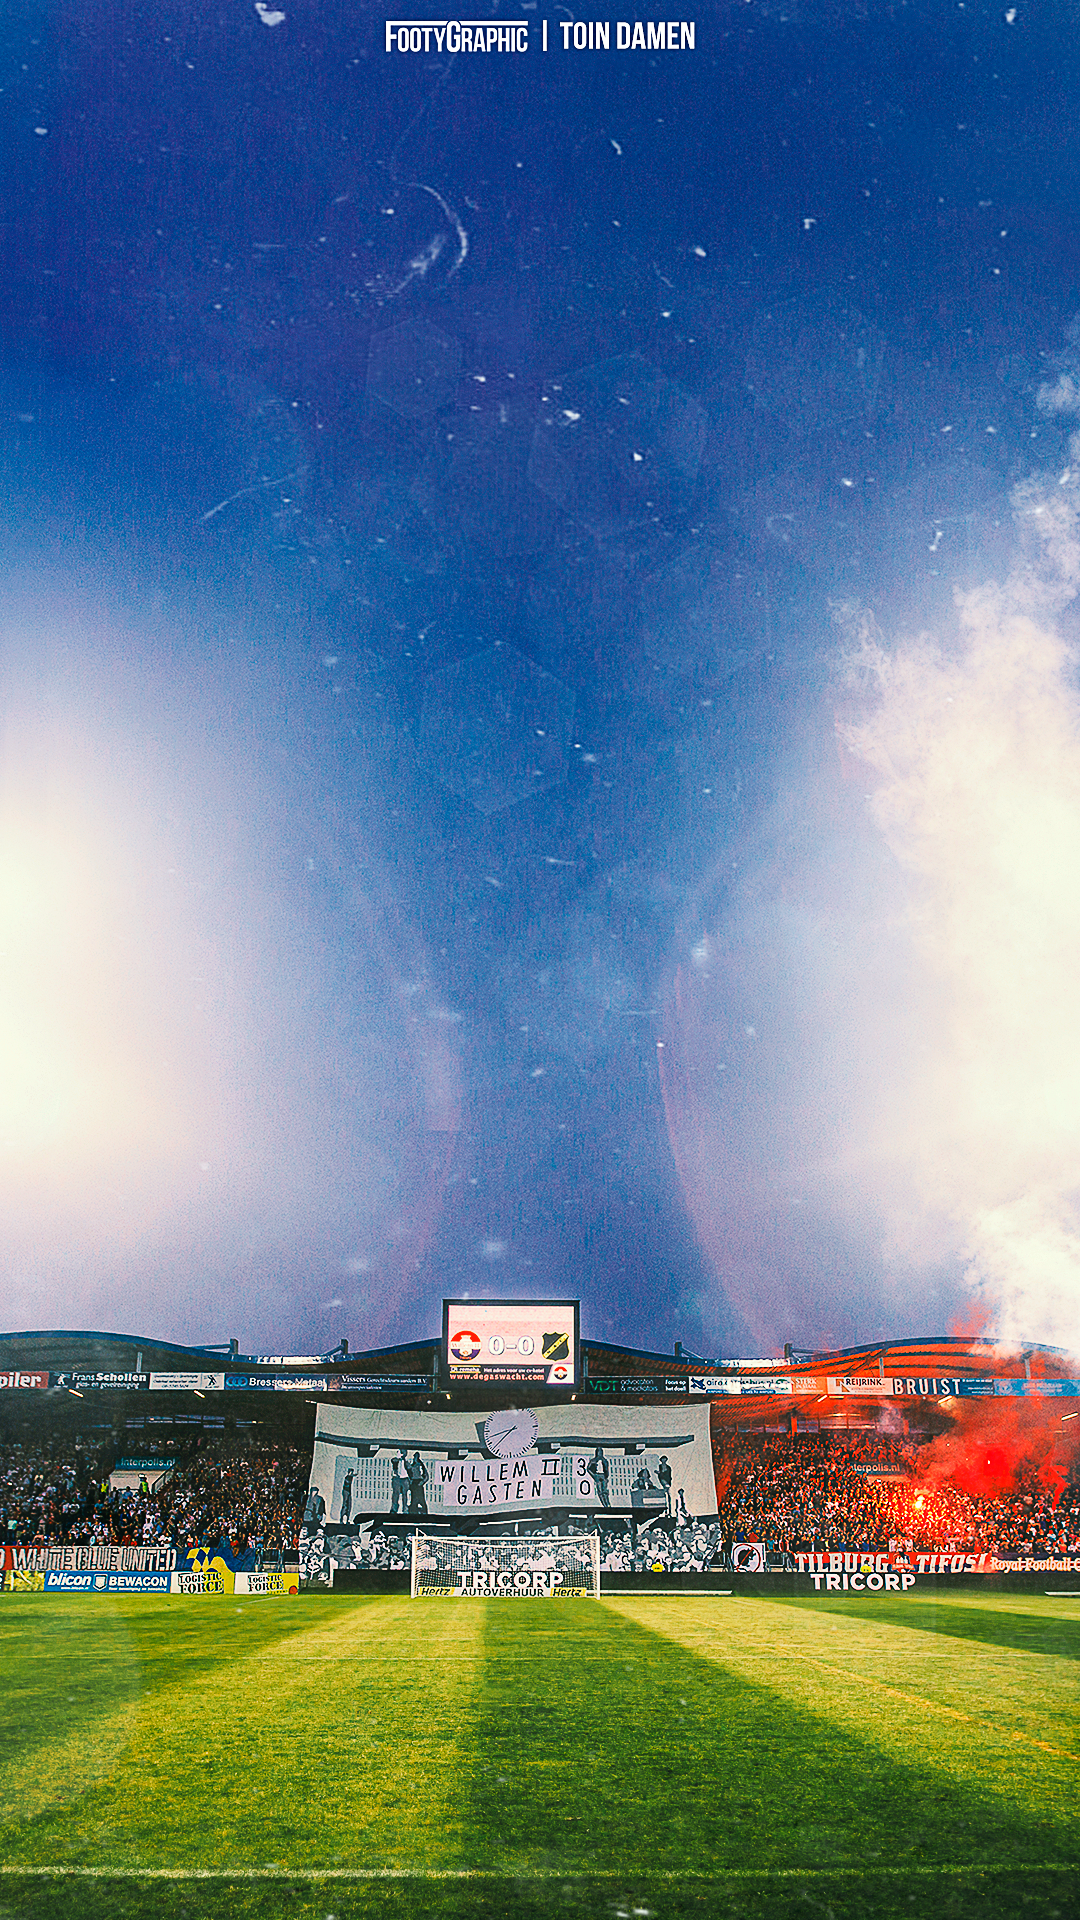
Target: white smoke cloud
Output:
[(871, 1064), (1063, 396), (976, 748)]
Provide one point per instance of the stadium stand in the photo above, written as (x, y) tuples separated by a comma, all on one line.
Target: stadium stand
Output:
[(104, 1441), (819, 1492), (46, 1491), (805, 1493), (221, 1488)]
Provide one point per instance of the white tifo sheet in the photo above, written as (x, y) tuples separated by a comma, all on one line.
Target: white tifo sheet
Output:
[(626, 1461)]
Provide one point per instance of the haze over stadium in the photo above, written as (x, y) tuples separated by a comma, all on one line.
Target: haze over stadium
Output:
[(916, 1073), (499, 797)]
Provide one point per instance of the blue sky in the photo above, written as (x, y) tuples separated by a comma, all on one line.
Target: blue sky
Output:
[(483, 806)]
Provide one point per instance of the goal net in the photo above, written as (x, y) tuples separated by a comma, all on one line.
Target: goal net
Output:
[(449, 1567)]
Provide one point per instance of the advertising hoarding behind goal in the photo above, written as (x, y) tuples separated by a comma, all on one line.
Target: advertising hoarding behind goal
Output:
[(445, 1567), (532, 1341)]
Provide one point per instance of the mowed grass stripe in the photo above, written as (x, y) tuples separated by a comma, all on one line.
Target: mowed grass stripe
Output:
[(950, 1870), (989, 1712), (671, 1755), (68, 1703), (848, 1674), (960, 1892), (81, 1672), (1026, 1622), (78, 1670), (518, 1744), (344, 1742), (994, 1658)]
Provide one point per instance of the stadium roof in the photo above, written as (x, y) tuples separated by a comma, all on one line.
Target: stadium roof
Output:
[(943, 1354), (74, 1347)]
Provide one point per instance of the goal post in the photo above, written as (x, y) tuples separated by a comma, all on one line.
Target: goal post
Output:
[(463, 1567)]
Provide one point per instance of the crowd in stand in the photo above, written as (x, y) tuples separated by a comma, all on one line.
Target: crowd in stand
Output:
[(249, 1494), (45, 1491), (809, 1493), (813, 1493)]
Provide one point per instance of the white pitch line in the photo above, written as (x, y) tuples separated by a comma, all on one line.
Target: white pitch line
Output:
[(619, 1874)]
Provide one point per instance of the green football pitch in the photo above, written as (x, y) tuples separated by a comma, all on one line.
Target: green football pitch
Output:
[(637, 1756)]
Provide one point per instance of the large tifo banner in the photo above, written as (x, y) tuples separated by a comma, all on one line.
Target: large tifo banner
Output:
[(515, 1464)]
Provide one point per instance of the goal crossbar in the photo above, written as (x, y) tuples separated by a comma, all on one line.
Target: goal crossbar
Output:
[(462, 1567)]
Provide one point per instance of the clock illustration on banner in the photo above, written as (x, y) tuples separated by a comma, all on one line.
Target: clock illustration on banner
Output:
[(510, 1434)]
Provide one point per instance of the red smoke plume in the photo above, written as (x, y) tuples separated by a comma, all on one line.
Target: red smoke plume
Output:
[(992, 1446), (972, 1323)]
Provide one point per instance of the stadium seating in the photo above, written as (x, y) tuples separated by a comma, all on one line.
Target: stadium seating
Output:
[(822, 1491), (221, 1488), (792, 1494)]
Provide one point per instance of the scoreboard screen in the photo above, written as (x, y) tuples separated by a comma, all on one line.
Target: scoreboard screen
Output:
[(533, 1341)]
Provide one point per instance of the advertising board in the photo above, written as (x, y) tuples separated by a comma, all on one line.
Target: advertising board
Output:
[(101, 1382), (272, 1382), (89, 1557), (718, 1383), (137, 1582), (873, 1386), (86, 1580), (384, 1382), (864, 1386), (187, 1382), (934, 1389), (611, 1385), (20, 1378), (268, 1583), (278, 1383), (1036, 1389), (291, 1359), (192, 1580), (200, 1580), (863, 1582), (508, 1340), (74, 1580)]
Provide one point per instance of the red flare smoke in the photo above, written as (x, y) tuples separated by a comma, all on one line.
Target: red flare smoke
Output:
[(994, 1447)]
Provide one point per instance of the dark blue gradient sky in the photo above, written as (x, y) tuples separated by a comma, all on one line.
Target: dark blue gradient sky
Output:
[(439, 848)]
